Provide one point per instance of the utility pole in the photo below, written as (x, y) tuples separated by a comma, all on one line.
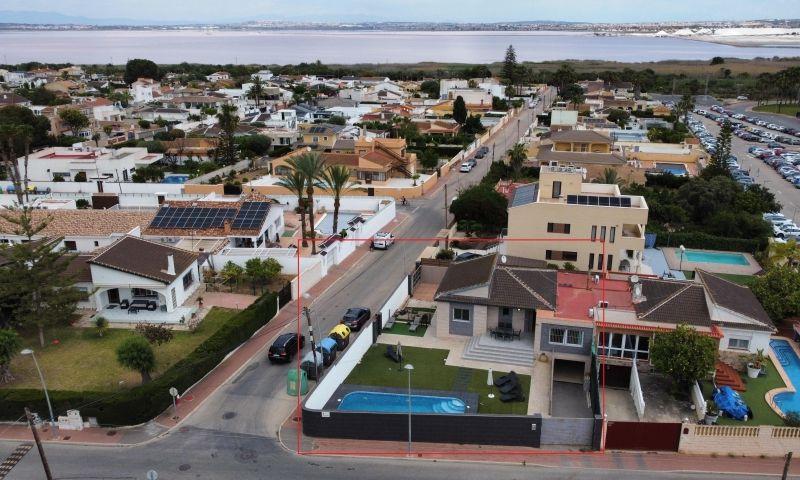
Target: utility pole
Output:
[(307, 313), (786, 466), (445, 205), (47, 474)]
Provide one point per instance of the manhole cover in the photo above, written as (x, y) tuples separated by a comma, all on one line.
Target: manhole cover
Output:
[(184, 467), (111, 433), (228, 415)]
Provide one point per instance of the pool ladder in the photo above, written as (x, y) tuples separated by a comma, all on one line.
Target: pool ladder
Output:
[(783, 355)]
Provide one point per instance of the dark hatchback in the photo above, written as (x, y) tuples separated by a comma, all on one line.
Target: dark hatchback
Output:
[(285, 347), (356, 317)]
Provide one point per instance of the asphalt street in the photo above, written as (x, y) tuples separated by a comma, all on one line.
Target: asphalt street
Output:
[(785, 120), (786, 193)]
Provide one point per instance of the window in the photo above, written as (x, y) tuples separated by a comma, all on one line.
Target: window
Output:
[(461, 315), (612, 235), (610, 262), (188, 279), (562, 256), (583, 147), (591, 261), (143, 292), (602, 234), (600, 262), (594, 232), (558, 228), (564, 336), (174, 299), (556, 189), (96, 243), (622, 345), (70, 245), (738, 344)]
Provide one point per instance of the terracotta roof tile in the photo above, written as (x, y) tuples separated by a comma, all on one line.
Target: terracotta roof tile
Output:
[(92, 223)]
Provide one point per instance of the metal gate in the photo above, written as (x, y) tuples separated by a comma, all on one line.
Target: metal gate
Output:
[(643, 436), (285, 295)]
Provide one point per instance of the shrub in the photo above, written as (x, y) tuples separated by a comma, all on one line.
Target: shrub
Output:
[(82, 203), (569, 267), (792, 419), (80, 177), (446, 254), (100, 324), (155, 334), (709, 242), (142, 403)]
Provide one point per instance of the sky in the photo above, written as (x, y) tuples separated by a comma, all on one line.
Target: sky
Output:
[(413, 10)]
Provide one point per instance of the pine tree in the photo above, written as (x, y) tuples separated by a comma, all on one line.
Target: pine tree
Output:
[(34, 284), (228, 122), (510, 68), (717, 165)]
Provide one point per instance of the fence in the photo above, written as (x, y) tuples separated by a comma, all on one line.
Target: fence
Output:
[(636, 392), (699, 401), (760, 440)]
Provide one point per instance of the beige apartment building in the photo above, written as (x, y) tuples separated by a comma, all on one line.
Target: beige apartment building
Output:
[(563, 220)]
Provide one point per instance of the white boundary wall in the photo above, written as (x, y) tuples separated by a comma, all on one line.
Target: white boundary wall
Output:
[(109, 187), (395, 301), (636, 392), (699, 401)]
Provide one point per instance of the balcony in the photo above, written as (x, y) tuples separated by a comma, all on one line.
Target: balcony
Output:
[(630, 230)]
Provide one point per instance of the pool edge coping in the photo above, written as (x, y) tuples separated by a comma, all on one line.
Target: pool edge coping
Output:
[(769, 397)]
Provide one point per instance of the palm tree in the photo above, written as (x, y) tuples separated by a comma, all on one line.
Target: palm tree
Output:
[(685, 106), (609, 176), (295, 182), (311, 165), (780, 253), (336, 179), (257, 90), (516, 156)]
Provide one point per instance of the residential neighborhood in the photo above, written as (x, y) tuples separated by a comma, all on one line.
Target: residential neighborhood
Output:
[(245, 269)]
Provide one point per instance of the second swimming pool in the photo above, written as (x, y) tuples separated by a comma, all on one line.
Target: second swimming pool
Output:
[(362, 401), (727, 258)]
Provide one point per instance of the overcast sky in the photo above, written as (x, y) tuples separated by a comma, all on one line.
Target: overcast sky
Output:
[(161, 11)]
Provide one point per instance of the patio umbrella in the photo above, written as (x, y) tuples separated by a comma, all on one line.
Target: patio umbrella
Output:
[(490, 383)]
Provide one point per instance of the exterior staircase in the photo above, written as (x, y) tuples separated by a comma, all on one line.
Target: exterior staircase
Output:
[(724, 374), (483, 348)]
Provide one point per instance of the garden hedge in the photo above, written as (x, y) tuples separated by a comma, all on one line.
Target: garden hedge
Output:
[(142, 403), (710, 242)]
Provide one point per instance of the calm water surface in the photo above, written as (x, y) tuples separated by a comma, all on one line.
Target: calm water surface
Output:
[(285, 47)]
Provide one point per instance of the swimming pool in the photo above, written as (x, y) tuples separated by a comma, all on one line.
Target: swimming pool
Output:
[(787, 401), (677, 170), (727, 258), (398, 403), (326, 224)]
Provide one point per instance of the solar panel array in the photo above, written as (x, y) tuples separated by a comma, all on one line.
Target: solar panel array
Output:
[(599, 201), (192, 217), (251, 215)]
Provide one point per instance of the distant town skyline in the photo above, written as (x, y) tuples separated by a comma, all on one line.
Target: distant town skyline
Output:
[(208, 11)]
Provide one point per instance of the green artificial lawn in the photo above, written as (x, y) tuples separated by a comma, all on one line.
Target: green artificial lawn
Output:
[(430, 373), (763, 414), (746, 280), (402, 329), (790, 109), (84, 361)]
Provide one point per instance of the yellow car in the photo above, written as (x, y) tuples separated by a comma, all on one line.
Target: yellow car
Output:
[(343, 331)]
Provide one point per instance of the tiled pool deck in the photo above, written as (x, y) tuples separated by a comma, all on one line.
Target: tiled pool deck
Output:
[(673, 257)]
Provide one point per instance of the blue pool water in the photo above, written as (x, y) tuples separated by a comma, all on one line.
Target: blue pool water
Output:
[(398, 403), (326, 224), (714, 257), (787, 401), (677, 170)]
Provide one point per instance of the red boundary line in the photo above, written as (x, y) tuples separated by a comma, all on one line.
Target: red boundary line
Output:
[(298, 415)]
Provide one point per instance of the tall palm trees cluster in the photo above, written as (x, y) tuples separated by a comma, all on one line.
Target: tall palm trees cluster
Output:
[(307, 172)]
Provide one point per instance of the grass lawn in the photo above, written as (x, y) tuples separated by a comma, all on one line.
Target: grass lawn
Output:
[(84, 361), (745, 280), (402, 329), (430, 373), (789, 109), (763, 414)]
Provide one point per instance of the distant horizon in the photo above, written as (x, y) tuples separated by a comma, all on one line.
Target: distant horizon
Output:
[(207, 12)]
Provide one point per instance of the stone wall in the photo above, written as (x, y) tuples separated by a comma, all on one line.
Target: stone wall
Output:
[(731, 440)]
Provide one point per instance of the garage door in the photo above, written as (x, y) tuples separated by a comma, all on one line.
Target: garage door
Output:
[(616, 376)]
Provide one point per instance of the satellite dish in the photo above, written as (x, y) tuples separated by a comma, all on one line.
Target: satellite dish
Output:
[(634, 278), (503, 259)]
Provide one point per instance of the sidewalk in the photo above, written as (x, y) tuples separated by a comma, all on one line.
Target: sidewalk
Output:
[(561, 457)]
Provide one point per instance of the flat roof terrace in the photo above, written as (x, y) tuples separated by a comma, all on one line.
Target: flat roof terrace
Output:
[(578, 292)]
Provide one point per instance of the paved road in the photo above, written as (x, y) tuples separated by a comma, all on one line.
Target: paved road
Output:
[(785, 193)]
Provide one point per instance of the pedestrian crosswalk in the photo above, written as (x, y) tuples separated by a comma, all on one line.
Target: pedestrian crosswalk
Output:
[(12, 460)]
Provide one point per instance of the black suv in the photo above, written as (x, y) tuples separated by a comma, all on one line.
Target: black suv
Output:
[(285, 347), (356, 317)]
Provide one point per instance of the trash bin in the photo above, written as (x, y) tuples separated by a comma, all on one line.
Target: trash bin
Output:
[(292, 383)]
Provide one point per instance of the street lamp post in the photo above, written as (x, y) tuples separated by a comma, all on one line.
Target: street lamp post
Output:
[(683, 250), (28, 351), (409, 368)]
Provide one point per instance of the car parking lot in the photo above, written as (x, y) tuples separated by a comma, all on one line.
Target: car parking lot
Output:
[(787, 193)]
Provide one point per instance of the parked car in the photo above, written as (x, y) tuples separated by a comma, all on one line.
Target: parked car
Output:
[(382, 240), (466, 167), (285, 347), (356, 317)]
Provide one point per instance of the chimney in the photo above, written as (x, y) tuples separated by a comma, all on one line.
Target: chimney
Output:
[(636, 290), (170, 264), (226, 226)]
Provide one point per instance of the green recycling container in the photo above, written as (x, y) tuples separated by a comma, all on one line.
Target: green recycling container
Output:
[(292, 382)]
